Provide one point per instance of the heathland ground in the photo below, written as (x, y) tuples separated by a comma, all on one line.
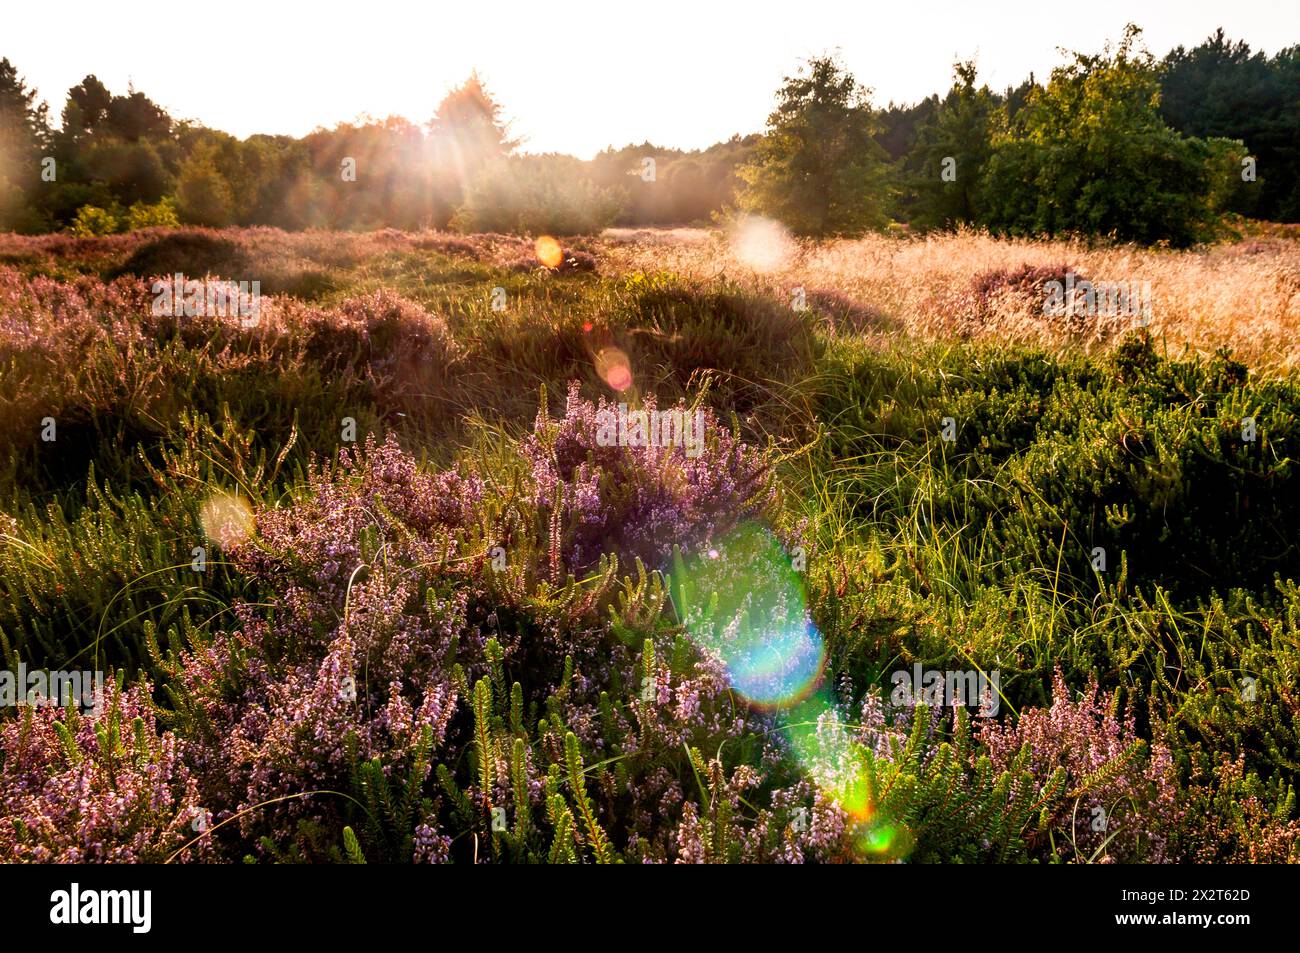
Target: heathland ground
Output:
[(369, 582)]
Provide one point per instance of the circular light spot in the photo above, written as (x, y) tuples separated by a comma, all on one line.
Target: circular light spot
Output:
[(762, 244), (549, 252), (227, 520), (614, 368)]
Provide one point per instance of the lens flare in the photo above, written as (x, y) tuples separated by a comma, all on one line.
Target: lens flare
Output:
[(743, 603), (762, 244), (883, 840), (227, 520), (614, 368), (827, 751), (549, 252)]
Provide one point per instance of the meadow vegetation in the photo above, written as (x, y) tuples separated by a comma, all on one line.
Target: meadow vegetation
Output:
[(478, 632), (1001, 388)]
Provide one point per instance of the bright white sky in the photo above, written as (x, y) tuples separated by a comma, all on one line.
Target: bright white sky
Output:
[(573, 75)]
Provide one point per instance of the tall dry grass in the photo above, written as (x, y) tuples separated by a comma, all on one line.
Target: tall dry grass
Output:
[(1245, 295)]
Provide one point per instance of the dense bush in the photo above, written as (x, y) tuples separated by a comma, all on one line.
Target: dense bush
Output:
[(818, 170), (1150, 458), (401, 684), (1090, 154)]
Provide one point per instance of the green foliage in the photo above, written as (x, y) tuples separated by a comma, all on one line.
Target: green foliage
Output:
[(24, 137), (203, 196), (92, 221), (162, 214), (970, 553), (132, 170), (596, 837), (818, 169), (1146, 457), (352, 848), (940, 804), (1220, 90), (535, 195), (1091, 154), (953, 148), (685, 188)]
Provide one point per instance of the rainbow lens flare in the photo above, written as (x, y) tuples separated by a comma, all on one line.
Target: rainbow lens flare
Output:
[(883, 840), (743, 603)]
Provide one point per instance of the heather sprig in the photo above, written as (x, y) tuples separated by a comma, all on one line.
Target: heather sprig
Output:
[(98, 787)]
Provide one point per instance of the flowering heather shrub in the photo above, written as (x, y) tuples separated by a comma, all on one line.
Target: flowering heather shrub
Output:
[(640, 501), (365, 659), (368, 676), (573, 261), (1238, 819), (95, 788), (1023, 290), (364, 593), (355, 662), (404, 353), (380, 492), (40, 314), (279, 259), (279, 720), (1121, 803), (443, 244), (714, 836), (1027, 280), (195, 252), (68, 348)]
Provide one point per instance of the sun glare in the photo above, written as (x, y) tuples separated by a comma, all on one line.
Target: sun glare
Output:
[(227, 519), (549, 252), (762, 244)]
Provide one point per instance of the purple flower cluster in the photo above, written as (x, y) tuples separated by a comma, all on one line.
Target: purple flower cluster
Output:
[(639, 501), (1121, 804), (374, 615), (373, 603), (399, 347), (355, 661), (97, 787)]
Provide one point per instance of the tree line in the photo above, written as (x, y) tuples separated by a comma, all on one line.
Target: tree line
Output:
[(1115, 143)]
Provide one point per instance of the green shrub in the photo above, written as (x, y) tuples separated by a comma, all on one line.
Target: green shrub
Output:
[(162, 214), (92, 220), (1142, 456)]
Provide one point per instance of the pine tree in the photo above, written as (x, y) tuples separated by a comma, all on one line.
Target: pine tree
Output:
[(24, 137), (465, 134), (953, 148), (818, 169)]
